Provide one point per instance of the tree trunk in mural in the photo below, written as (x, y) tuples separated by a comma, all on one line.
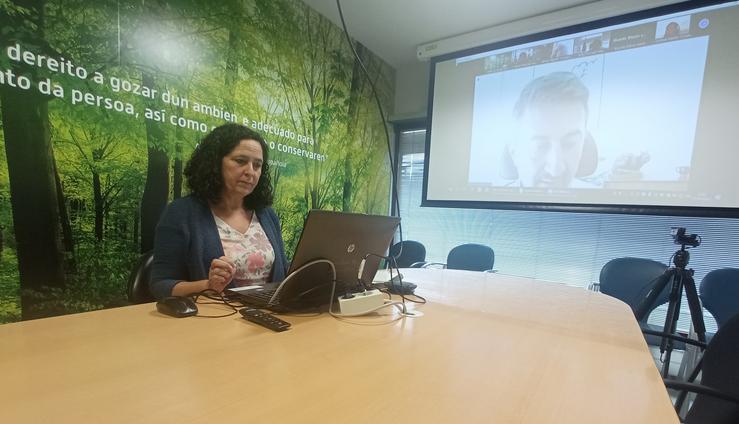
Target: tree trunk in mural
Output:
[(67, 239), (232, 65), (33, 194), (136, 224), (70, 262), (177, 163), (351, 124), (156, 188), (32, 188), (177, 171), (97, 194)]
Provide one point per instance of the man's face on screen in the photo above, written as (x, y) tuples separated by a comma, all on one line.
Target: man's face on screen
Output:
[(549, 147)]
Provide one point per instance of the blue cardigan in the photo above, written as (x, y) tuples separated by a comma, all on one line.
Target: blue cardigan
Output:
[(187, 240)]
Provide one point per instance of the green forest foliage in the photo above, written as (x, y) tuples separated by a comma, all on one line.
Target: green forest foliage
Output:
[(274, 62)]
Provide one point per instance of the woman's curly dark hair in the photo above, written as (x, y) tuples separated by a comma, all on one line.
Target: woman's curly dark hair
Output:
[(203, 170)]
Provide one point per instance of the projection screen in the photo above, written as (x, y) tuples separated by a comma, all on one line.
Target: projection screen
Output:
[(631, 114)]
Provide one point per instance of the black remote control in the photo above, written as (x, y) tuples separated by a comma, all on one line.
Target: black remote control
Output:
[(264, 319)]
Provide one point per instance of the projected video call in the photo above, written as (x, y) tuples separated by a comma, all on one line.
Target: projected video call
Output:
[(592, 121), (624, 114)]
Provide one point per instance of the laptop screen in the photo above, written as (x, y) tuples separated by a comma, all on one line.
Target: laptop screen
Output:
[(345, 239)]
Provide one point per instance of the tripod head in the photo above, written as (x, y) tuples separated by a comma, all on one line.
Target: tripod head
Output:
[(680, 236), (681, 258)]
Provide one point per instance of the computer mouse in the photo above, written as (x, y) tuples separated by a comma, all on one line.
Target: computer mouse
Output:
[(177, 306)]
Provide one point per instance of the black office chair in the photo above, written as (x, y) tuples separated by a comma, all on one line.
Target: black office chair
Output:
[(138, 281), (412, 255), (629, 280), (471, 257), (719, 293), (717, 399)]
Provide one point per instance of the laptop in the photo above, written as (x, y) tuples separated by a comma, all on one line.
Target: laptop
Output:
[(340, 237)]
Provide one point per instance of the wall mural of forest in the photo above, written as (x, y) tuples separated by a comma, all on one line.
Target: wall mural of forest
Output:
[(103, 101)]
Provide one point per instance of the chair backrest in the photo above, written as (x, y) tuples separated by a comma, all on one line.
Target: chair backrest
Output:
[(721, 372), (138, 281), (411, 253), (629, 280), (471, 257), (719, 293)]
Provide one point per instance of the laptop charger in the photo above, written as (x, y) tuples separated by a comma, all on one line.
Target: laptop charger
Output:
[(362, 302)]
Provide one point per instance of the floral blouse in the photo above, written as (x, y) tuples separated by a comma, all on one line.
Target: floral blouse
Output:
[(251, 252)]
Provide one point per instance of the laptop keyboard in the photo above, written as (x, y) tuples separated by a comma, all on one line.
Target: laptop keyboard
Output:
[(253, 297)]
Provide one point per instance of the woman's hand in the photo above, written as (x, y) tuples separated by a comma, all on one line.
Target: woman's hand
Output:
[(221, 273)]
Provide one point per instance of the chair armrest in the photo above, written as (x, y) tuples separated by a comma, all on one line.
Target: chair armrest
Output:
[(430, 264), (418, 265), (701, 389), (491, 270)]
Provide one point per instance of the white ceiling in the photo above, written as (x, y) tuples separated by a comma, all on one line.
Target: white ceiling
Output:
[(393, 29)]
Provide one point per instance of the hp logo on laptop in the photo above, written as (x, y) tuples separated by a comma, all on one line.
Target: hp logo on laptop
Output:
[(350, 248)]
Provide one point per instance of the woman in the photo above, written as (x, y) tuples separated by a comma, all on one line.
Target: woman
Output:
[(224, 233)]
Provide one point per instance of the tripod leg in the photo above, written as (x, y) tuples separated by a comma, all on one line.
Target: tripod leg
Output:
[(684, 393), (696, 312), (673, 311), (672, 308), (647, 303)]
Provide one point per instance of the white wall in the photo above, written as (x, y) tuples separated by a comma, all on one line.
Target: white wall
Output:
[(411, 91)]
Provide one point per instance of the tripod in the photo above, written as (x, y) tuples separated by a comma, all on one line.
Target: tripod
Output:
[(678, 278)]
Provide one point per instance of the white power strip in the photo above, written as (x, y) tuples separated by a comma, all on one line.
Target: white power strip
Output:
[(363, 302)]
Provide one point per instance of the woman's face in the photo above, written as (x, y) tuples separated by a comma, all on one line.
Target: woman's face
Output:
[(241, 168)]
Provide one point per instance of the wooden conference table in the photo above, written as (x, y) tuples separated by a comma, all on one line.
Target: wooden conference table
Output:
[(488, 348)]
